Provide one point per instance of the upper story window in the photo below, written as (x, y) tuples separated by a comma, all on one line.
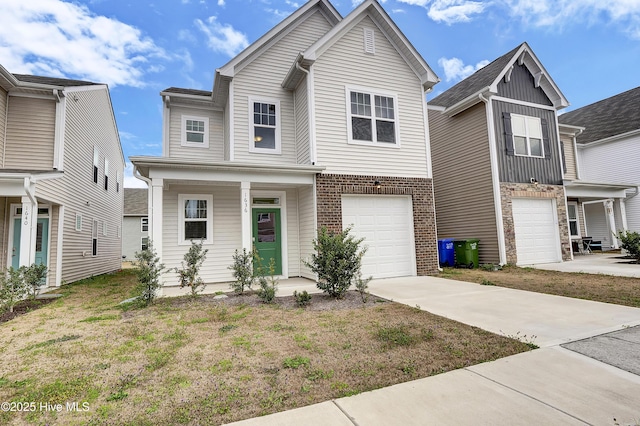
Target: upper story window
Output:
[(96, 158), (118, 179), (195, 131), (527, 135), (265, 126), (144, 224), (106, 174), (195, 218), (372, 118)]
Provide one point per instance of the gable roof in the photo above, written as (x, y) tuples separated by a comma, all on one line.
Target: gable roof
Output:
[(370, 8), (485, 81), (135, 202), (225, 74), (609, 117), (52, 81)]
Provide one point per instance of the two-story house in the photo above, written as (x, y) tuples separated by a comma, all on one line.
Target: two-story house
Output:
[(602, 148), (61, 169), (497, 165), (320, 122), (135, 222)]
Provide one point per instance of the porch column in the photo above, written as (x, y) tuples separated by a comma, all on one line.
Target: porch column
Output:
[(245, 214), (623, 213), (28, 223), (155, 211), (608, 208)]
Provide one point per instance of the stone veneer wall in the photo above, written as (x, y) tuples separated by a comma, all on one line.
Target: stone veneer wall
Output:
[(508, 191), (329, 190)]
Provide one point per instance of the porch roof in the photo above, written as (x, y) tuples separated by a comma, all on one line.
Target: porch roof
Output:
[(585, 189)]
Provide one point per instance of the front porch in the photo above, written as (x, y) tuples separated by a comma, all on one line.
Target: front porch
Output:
[(286, 287)]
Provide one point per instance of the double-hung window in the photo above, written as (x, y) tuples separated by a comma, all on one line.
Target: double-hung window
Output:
[(144, 224), (527, 135), (195, 131), (196, 218), (372, 117), (106, 174), (265, 126), (574, 224), (144, 243)]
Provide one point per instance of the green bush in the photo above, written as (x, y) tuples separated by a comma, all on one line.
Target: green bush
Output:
[(149, 269), (336, 261), (13, 288), (631, 243), (362, 285), (189, 275), (302, 299), (266, 280), (242, 268), (33, 277)]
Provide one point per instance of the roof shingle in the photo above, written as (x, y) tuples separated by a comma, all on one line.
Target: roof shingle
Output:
[(52, 81), (135, 202)]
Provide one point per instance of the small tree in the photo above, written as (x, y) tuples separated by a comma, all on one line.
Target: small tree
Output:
[(33, 277), (362, 285), (242, 268), (189, 275), (13, 288), (337, 260), (267, 280), (149, 270), (631, 243)]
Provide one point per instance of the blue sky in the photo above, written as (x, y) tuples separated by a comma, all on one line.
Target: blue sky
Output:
[(591, 48)]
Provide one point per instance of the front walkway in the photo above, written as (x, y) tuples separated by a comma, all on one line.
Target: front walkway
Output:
[(597, 263), (286, 287), (551, 385)]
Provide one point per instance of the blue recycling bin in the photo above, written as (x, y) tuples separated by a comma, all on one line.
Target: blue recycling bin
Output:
[(446, 252)]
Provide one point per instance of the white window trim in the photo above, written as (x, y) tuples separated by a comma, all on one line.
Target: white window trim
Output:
[(252, 148), (95, 171), (142, 224), (526, 136), (181, 218), (104, 229), (78, 219), (118, 178), (141, 242), (106, 174), (577, 219), (372, 92), (183, 137), (94, 236)]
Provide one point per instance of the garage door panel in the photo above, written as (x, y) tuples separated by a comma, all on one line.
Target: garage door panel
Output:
[(536, 231), (386, 226)]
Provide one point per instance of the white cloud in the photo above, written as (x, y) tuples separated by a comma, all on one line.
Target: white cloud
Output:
[(455, 69), (221, 3), (449, 11), (624, 14), (398, 11), (56, 38), (129, 180), (222, 37)]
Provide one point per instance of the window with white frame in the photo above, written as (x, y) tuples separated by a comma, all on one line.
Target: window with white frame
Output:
[(574, 223), (118, 179), (106, 174), (527, 135), (94, 238), (144, 224), (265, 126), (78, 222), (144, 243), (372, 117), (195, 218), (195, 131), (96, 158)]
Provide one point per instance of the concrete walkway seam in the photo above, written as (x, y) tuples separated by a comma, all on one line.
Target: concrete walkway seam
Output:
[(351, 419)]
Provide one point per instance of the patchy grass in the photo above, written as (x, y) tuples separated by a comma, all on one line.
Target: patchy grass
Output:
[(205, 361), (600, 288)]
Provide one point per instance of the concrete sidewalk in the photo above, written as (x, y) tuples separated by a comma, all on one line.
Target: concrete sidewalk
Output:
[(597, 263), (551, 385)]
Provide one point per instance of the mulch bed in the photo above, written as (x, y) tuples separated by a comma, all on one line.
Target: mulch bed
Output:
[(24, 307)]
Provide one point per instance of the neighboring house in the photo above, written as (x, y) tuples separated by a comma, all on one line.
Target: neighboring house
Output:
[(320, 122), (497, 166), (602, 150), (135, 222), (61, 168)]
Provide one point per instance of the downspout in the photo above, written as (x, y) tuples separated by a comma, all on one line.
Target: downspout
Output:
[(4, 136), (27, 190), (575, 152), (311, 118), (493, 155)]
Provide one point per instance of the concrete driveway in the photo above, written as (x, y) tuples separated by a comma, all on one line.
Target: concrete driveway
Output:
[(550, 385), (597, 263)]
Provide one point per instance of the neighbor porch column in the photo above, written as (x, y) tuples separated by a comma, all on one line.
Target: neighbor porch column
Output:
[(245, 214), (611, 218), (28, 222)]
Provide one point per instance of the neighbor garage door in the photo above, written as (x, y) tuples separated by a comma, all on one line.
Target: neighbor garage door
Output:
[(386, 224), (536, 231)]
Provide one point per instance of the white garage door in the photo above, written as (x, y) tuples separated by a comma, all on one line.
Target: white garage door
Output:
[(536, 229), (386, 224)]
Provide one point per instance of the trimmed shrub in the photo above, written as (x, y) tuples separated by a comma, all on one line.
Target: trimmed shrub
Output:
[(631, 243), (149, 269), (189, 275), (242, 268), (12, 288)]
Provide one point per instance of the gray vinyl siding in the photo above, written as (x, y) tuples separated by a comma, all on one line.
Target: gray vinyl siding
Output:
[(214, 153), (615, 162), (520, 169), (89, 123), (226, 131), (132, 235), (3, 121), (301, 108), (226, 232), (54, 223), (521, 86), (569, 156), (30, 134), (597, 224), (262, 79), (346, 64), (462, 179), (307, 228)]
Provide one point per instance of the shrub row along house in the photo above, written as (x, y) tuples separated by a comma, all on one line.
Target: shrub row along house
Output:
[(61, 171)]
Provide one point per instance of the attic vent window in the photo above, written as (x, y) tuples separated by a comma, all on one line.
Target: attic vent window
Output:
[(369, 41)]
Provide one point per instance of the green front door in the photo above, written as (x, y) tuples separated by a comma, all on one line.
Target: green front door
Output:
[(267, 237), (42, 242)]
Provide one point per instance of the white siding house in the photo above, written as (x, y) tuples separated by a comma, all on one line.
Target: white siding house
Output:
[(308, 115), (135, 222), (60, 178)]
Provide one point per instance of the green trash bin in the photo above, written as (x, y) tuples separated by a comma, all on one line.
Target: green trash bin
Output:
[(466, 253)]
